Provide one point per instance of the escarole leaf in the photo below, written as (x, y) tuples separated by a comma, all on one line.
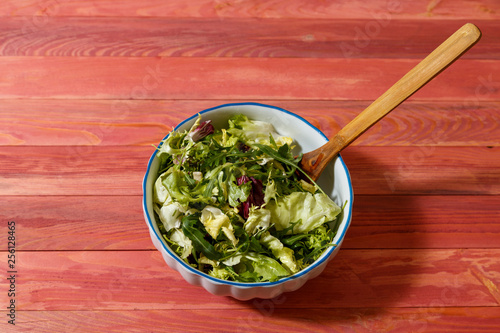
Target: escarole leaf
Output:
[(254, 131), (238, 193), (284, 254), (261, 267), (179, 189), (309, 210), (193, 232)]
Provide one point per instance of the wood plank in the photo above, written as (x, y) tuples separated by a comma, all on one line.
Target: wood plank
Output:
[(352, 9), (118, 170), (266, 316), (467, 81), (213, 37), (424, 222), (130, 280), (82, 223), (91, 122), (145, 122), (74, 170), (116, 222), (423, 170)]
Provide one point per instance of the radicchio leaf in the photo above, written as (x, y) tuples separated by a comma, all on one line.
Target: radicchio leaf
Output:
[(204, 129), (256, 197)]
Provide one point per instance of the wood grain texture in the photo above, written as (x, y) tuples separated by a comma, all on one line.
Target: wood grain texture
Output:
[(423, 170), (86, 87), (266, 316), (345, 9), (240, 37), (139, 280), (89, 223), (235, 78), (49, 122), (80, 223), (74, 170), (118, 170), (424, 222)]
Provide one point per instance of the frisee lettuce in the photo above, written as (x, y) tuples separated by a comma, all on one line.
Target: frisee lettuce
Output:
[(231, 202)]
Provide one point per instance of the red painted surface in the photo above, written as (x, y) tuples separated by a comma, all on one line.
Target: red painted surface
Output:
[(87, 87)]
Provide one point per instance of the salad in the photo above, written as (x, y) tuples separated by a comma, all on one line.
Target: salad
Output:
[(233, 203)]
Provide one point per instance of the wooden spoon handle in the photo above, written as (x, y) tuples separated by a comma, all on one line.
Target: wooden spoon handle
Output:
[(314, 162)]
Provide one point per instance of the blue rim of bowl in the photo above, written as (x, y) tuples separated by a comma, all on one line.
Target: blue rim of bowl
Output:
[(193, 270)]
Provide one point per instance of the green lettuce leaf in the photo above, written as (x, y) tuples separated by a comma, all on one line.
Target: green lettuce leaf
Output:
[(284, 254), (184, 243), (255, 131), (237, 193), (181, 191), (258, 267), (258, 219), (306, 210)]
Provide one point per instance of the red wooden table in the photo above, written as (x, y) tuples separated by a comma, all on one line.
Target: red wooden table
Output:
[(87, 87)]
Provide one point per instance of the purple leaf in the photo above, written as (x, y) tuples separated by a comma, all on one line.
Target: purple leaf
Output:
[(256, 196), (204, 129)]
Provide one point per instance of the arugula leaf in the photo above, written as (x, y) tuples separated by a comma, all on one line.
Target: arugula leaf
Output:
[(192, 231), (280, 154)]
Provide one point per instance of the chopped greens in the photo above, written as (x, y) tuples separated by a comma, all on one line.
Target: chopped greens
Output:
[(231, 202)]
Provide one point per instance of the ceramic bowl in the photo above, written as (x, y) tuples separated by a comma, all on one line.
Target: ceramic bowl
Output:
[(335, 181)]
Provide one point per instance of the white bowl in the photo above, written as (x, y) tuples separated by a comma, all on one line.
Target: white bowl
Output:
[(335, 181)]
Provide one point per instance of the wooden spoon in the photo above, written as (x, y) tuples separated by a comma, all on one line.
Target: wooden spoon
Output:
[(314, 162)]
